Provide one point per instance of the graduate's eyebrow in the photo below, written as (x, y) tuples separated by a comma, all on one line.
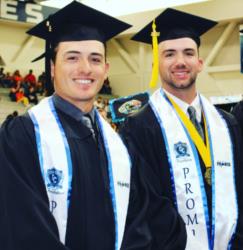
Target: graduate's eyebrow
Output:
[(172, 50), (190, 50), (80, 53), (168, 50)]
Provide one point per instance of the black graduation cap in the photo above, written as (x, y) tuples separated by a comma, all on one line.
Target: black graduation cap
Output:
[(173, 24), (75, 22)]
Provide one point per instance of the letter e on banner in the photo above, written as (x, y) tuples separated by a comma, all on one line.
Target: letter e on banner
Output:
[(9, 9)]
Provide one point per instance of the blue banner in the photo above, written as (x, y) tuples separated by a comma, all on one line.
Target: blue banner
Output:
[(24, 12)]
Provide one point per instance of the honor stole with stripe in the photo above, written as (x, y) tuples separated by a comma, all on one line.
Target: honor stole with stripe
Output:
[(56, 166), (189, 190)]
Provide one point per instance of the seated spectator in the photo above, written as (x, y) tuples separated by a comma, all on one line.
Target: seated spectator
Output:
[(30, 78), (20, 97), (107, 108), (26, 86), (102, 105), (106, 88), (13, 90), (12, 115), (32, 96), (113, 125), (12, 94), (15, 113), (17, 78), (7, 81), (99, 103), (2, 75), (40, 86), (103, 113)]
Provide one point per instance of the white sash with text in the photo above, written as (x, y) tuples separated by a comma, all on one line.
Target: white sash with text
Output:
[(186, 173), (56, 166)]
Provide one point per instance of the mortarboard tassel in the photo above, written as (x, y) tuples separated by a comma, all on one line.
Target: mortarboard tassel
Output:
[(155, 70), (49, 84)]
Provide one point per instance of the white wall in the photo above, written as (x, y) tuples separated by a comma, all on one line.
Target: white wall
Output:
[(18, 49), (125, 80), (224, 77)]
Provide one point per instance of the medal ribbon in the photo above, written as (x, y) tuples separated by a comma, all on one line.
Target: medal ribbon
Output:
[(204, 150)]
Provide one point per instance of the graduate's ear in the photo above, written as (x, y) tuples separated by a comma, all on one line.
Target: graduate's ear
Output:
[(107, 67), (52, 69), (200, 65)]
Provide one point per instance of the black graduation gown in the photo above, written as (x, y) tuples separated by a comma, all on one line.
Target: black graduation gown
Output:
[(143, 131), (238, 113), (26, 222)]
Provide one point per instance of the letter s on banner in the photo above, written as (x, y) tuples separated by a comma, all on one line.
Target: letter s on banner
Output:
[(33, 12)]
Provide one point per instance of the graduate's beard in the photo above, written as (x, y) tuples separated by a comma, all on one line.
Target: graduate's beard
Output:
[(183, 86)]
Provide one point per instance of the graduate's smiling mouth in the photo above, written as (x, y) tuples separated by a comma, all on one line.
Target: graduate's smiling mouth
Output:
[(180, 74), (84, 81)]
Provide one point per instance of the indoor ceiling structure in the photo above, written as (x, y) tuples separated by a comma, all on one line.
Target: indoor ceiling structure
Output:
[(220, 50), (122, 7)]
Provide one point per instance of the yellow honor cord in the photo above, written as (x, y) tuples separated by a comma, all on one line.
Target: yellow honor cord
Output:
[(204, 150), (155, 70)]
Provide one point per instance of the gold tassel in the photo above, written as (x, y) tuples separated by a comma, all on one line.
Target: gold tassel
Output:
[(48, 25), (155, 70)]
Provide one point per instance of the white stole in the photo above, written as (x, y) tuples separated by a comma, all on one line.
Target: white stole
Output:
[(56, 166), (187, 180)]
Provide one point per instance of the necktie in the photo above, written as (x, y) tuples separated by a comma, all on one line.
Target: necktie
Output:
[(192, 114), (87, 121)]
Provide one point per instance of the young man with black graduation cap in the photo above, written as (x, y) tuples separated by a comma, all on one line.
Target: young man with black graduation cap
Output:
[(65, 179), (193, 148)]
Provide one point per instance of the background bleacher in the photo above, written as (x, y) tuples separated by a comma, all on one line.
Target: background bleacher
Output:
[(7, 107)]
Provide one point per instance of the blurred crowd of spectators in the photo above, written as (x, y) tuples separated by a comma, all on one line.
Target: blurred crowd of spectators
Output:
[(23, 88), (102, 105)]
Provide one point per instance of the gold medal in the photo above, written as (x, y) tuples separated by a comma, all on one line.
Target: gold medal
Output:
[(208, 175)]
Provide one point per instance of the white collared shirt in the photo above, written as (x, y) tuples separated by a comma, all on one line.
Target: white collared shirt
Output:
[(184, 106)]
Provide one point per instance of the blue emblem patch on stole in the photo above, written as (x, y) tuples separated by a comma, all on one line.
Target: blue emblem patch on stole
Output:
[(54, 180), (181, 149)]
